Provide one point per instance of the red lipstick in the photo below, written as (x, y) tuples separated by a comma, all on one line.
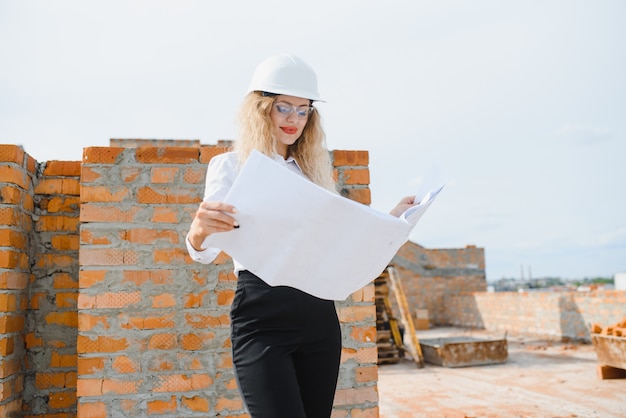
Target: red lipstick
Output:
[(289, 129)]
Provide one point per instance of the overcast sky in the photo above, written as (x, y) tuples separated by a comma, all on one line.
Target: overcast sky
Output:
[(521, 103)]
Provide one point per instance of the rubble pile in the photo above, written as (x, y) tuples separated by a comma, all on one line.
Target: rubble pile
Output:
[(616, 330)]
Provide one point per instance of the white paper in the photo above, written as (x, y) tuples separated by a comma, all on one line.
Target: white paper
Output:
[(295, 233)]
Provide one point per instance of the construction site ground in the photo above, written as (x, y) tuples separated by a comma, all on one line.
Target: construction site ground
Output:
[(541, 378)]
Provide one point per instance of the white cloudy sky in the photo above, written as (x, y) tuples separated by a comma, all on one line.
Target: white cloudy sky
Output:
[(522, 103)]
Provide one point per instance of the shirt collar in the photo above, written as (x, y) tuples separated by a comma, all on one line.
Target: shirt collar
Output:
[(289, 160)]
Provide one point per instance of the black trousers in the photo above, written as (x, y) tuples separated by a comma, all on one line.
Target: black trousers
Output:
[(286, 350)]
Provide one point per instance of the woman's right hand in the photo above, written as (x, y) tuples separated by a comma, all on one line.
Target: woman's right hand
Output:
[(211, 217)]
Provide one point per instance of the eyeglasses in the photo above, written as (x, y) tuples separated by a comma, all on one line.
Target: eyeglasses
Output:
[(287, 109)]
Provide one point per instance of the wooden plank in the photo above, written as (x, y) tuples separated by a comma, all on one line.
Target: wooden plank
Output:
[(407, 320)]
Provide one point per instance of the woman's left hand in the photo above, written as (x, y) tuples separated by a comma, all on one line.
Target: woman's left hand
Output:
[(403, 205)]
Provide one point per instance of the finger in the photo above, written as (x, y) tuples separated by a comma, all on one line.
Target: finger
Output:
[(219, 206)]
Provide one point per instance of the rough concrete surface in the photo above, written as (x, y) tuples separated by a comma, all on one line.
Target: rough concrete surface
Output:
[(540, 378)]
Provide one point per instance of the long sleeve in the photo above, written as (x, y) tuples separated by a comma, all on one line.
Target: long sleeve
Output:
[(220, 176)]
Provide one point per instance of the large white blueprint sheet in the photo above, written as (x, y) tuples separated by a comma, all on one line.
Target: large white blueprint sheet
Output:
[(295, 233)]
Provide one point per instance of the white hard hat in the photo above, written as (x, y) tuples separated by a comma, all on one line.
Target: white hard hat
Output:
[(285, 74)]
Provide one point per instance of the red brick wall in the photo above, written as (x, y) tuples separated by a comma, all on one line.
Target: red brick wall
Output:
[(135, 327), (53, 292), (431, 276), (558, 315), (17, 170), (153, 327)]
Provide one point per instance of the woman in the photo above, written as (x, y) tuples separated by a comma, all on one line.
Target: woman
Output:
[(286, 343)]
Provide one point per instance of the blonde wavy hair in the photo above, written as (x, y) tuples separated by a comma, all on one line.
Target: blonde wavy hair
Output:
[(255, 133)]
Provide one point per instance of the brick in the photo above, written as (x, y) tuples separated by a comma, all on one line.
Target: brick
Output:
[(101, 212), (164, 175), (55, 380), (208, 152), (13, 280), (92, 410), (9, 259), (96, 237), (89, 174), (86, 366), (357, 314), (107, 257), (62, 168), (11, 323), (89, 387), (101, 155), (195, 175), (172, 383), (14, 175), (152, 277), (62, 400), (225, 297), (125, 365), (177, 155), (65, 242), (225, 405), (162, 214), (160, 407), (56, 261), (363, 334), (360, 195), (12, 154), (366, 374), (108, 300), (33, 341), (100, 344), (51, 186), (8, 302), (130, 174), (195, 300), (350, 158), (9, 216), (151, 236), (91, 194), (64, 281), (69, 319), (197, 341), (162, 342), (372, 412), (89, 278), (196, 404), (11, 195), (171, 256), (356, 396), (7, 345), (150, 322), (197, 320), (62, 204), (9, 367), (120, 387), (356, 176), (57, 223), (63, 360), (87, 322), (168, 195)]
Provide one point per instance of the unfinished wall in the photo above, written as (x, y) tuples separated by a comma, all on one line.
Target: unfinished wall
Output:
[(137, 328), (558, 315), (431, 276), (17, 171), (53, 292), (153, 327)]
